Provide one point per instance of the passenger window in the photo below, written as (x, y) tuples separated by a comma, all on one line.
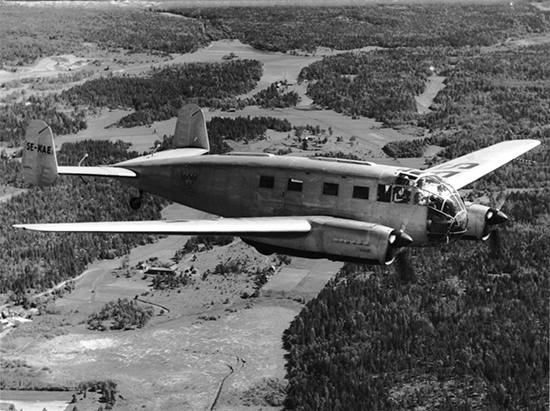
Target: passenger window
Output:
[(361, 192), (384, 193), (267, 181), (295, 185), (401, 195), (330, 189)]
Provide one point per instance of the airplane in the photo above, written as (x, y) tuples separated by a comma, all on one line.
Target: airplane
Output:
[(316, 207)]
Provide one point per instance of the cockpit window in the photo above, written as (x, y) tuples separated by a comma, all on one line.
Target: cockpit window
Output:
[(432, 192), (401, 195), (446, 212)]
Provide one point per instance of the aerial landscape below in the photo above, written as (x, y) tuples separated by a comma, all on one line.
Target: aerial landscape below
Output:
[(222, 322)]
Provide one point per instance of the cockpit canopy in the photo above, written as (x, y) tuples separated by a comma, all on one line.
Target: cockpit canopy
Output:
[(447, 215)]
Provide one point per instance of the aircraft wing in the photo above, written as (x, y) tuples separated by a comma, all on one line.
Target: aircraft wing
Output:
[(256, 226), (463, 170), (98, 171)]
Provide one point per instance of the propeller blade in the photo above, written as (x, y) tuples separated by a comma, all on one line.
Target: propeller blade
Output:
[(498, 200), (495, 244), (404, 267)]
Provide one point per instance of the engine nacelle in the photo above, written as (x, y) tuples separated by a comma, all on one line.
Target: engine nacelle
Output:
[(480, 220), (339, 239)]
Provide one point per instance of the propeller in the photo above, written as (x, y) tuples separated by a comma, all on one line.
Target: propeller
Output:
[(397, 240), (494, 217), (495, 244), (404, 267)]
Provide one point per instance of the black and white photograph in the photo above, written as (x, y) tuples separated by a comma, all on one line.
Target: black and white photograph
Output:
[(251, 205)]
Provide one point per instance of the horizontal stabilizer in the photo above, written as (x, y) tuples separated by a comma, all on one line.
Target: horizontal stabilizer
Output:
[(229, 226), (464, 170)]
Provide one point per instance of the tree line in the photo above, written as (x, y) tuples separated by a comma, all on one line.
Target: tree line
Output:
[(246, 128), (292, 28)]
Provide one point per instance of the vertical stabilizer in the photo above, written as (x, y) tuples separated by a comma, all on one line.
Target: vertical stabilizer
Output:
[(191, 128), (39, 161)]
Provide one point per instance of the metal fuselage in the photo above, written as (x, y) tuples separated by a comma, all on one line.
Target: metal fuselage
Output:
[(248, 185)]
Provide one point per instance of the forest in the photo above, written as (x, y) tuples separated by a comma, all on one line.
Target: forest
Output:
[(246, 128), (469, 333), (289, 29), (15, 117), (161, 92), (286, 29), (29, 33)]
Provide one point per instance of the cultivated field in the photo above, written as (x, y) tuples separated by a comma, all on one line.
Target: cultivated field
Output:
[(203, 335)]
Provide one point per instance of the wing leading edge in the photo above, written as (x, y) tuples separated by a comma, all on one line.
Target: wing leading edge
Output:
[(258, 226), (464, 170)]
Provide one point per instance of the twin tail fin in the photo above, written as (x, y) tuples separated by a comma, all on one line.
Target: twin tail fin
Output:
[(191, 129), (39, 162)]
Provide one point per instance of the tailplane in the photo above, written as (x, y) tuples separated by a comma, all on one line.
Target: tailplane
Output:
[(39, 162), (191, 128)]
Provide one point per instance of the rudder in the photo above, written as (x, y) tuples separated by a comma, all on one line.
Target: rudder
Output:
[(39, 162), (191, 128)]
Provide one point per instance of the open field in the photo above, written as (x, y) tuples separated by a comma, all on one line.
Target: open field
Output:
[(176, 365), (207, 334), (178, 361)]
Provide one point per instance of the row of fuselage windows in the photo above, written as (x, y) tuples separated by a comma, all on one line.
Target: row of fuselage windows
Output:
[(386, 193)]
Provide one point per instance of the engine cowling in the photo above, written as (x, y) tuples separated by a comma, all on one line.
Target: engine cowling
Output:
[(339, 239), (480, 220)]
